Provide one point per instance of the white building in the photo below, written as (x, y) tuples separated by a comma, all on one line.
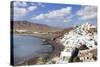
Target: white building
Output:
[(79, 37), (76, 38), (65, 55)]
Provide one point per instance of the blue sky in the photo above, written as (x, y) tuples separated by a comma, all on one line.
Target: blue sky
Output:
[(53, 14)]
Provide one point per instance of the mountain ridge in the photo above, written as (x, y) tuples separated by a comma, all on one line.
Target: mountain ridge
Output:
[(26, 25)]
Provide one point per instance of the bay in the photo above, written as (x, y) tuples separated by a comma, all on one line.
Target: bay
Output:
[(26, 47)]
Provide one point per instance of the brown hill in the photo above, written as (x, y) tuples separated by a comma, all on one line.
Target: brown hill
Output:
[(53, 32), (33, 27)]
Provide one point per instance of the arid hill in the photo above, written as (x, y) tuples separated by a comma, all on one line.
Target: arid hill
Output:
[(33, 27), (44, 30)]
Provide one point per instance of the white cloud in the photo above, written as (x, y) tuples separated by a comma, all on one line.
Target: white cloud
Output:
[(20, 3), (31, 8), (41, 5), (87, 12), (61, 13), (21, 11)]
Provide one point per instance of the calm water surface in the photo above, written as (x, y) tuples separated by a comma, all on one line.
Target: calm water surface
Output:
[(26, 47)]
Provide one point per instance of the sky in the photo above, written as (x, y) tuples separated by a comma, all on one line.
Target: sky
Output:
[(54, 14)]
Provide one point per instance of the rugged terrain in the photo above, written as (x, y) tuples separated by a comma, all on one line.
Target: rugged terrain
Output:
[(80, 45)]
